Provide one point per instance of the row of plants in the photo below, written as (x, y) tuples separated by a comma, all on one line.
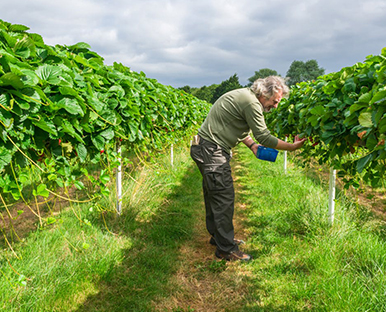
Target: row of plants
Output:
[(62, 108), (344, 116)]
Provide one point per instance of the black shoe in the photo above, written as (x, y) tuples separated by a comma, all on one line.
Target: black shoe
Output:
[(233, 255), (237, 241)]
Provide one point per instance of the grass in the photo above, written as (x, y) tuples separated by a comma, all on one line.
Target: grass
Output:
[(301, 263), (156, 256), (73, 266)]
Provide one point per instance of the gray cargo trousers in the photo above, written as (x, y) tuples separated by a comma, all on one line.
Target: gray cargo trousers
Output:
[(213, 162)]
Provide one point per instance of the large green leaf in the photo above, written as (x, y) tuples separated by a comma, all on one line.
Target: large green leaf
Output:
[(365, 120), (5, 157), (24, 48), (41, 191), (108, 134), (71, 105), (46, 125), (82, 152), (98, 141), (49, 74), (362, 163), (318, 110), (18, 28), (10, 79), (6, 119), (30, 78), (365, 98), (380, 95)]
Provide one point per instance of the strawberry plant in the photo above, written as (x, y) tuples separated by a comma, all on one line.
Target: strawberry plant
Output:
[(346, 113), (61, 107)]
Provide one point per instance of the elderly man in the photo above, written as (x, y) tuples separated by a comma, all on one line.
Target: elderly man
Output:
[(232, 117)]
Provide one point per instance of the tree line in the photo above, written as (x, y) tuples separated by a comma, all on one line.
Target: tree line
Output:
[(299, 71)]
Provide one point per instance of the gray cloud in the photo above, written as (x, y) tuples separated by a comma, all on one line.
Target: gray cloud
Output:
[(201, 42)]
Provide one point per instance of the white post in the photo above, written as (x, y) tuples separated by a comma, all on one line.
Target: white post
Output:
[(285, 159), (171, 155), (331, 199), (119, 178)]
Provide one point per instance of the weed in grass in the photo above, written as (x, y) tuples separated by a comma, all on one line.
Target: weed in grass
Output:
[(217, 266)]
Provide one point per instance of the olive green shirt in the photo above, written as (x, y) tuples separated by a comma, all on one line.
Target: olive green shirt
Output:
[(232, 117)]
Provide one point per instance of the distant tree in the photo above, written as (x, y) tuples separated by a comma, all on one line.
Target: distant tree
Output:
[(262, 73), (204, 93), (186, 88), (228, 85), (303, 71)]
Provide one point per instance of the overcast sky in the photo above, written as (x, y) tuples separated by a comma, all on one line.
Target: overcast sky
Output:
[(201, 42)]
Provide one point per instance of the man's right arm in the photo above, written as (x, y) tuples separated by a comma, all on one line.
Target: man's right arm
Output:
[(285, 146)]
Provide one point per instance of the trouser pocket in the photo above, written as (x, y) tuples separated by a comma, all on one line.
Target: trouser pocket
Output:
[(218, 177)]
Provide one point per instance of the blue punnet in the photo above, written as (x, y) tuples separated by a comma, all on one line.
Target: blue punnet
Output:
[(266, 153)]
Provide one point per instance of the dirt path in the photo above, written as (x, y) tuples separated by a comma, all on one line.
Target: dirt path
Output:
[(204, 283)]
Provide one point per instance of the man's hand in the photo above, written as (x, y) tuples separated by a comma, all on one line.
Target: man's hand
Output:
[(254, 148), (298, 143)]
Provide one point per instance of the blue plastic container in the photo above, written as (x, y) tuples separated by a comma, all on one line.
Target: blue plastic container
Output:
[(266, 153)]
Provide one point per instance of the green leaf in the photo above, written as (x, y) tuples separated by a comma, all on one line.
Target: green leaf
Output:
[(24, 48), (98, 141), (5, 101), (349, 85), (10, 79), (318, 110), (382, 125), (50, 220), (46, 125), (357, 106), (363, 162), (365, 98), (79, 185), (6, 119), (118, 90), (79, 46), (5, 157), (49, 74), (23, 177), (18, 28), (380, 95), (82, 152), (365, 120), (108, 134), (30, 78), (104, 177), (313, 120), (371, 142), (41, 191), (68, 128), (68, 91), (95, 103), (15, 193), (71, 105)]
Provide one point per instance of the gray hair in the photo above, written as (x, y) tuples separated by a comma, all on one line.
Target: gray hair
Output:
[(270, 85)]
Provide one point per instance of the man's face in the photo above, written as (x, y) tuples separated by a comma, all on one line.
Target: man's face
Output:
[(272, 102)]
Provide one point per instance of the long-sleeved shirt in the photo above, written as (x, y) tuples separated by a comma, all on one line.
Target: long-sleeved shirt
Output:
[(232, 117)]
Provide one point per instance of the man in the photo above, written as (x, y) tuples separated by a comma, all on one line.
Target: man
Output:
[(232, 117)]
